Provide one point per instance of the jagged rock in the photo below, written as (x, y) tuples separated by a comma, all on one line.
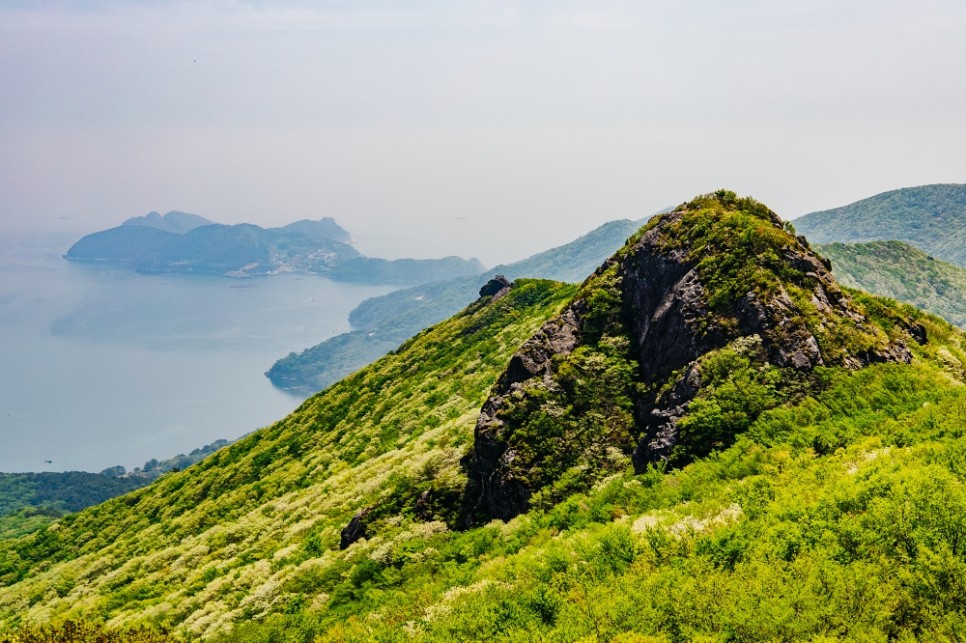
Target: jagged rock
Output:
[(671, 329), (795, 318)]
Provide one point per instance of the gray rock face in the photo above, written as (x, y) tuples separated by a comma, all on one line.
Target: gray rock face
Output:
[(501, 495), (664, 304), (670, 326)]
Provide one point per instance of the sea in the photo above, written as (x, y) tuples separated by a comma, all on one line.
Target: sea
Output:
[(101, 366)]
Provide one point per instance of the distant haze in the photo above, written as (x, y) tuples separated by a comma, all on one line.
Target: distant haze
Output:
[(489, 129)]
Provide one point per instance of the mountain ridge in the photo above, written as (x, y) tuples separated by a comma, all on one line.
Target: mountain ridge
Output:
[(175, 221), (643, 332), (930, 217)]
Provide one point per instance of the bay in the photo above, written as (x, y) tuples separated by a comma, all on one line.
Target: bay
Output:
[(101, 367)]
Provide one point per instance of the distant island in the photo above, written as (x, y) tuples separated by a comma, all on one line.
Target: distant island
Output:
[(184, 243)]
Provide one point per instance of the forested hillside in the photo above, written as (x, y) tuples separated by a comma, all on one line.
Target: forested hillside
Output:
[(195, 548), (898, 270), (930, 217), (29, 501)]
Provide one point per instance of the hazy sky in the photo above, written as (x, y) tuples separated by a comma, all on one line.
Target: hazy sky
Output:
[(493, 129)]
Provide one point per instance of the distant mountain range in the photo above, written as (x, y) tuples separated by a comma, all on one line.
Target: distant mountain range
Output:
[(903, 272), (179, 242), (930, 217)]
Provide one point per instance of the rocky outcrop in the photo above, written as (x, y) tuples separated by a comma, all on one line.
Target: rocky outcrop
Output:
[(672, 301), (488, 465), (495, 287), (356, 529), (671, 326)]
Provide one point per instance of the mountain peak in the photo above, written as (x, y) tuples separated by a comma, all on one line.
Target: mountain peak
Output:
[(714, 297), (174, 221)]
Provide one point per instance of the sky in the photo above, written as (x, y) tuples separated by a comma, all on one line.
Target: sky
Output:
[(491, 129)]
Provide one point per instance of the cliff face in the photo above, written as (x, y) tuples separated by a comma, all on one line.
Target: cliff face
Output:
[(714, 292)]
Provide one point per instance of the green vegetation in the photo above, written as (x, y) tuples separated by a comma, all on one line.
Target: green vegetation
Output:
[(833, 509), (837, 518), (736, 247), (383, 323), (87, 632), (71, 491), (27, 519), (930, 217), (898, 270)]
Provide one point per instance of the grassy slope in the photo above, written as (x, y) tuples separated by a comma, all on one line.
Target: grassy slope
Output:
[(898, 270), (931, 217), (242, 532), (29, 501), (842, 517)]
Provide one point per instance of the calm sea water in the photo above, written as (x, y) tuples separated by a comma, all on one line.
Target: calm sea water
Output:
[(100, 367)]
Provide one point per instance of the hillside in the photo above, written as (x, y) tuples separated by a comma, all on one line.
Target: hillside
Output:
[(404, 271), (708, 440), (898, 270), (291, 487), (930, 217), (28, 501), (382, 323)]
